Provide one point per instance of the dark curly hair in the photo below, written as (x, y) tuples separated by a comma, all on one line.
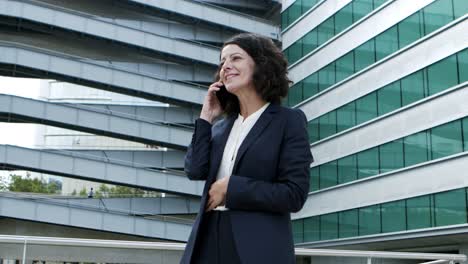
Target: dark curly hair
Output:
[(271, 68)]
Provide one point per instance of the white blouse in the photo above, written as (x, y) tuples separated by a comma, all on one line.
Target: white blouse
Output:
[(239, 131)]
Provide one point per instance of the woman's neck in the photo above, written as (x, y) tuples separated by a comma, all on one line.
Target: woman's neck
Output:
[(250, 103)]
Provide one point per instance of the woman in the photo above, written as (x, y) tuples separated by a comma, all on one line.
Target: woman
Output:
[(255, 160)]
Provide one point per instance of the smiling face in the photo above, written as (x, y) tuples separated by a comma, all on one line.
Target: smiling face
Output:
[(237, 68)]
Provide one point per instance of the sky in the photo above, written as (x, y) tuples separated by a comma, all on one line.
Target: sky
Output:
[(18, 134)]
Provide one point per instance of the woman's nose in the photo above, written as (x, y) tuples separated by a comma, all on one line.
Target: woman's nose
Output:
[(226, 65)]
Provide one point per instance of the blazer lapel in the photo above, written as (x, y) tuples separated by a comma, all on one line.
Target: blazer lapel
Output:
[(217, 151), (256, 130)]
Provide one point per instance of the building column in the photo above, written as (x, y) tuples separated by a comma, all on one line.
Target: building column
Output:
[(7, 261), (463, 250)]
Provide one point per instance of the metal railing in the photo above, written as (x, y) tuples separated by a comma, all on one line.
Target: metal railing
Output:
[(98, 208), (50, 52), (113, 22), (428, 258), (369, 255), (91, 108)]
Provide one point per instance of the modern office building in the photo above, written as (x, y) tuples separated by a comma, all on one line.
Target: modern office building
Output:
[(384, 87)]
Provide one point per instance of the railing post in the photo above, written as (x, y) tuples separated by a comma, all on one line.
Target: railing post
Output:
[(369, 260), (24, 251)]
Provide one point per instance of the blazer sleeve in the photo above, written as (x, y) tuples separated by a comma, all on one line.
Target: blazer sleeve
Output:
[(197, 158), (289, 192)]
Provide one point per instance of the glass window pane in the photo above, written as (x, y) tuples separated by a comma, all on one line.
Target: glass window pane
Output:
[(393, 216), (312, 229), (437, 15), (412, 88), (329, 226), (328, 174), (446, 139), (344, 18), (386, 43), (450, 207), (310, 86), (465, 133), (284, 19), (286, 54), (347, 169), (326, 30), (366, 108), (346, 116), (327, 124), (361, 8), (344, 67), (313, 129), (416, 148), (364, 55), (349, 225), (298, 230), (307, 4), (326, 76), (295, 11), (410, 29), (368, 163), (460, 7), (391, 156), (378, 3), (314, 179), (418, 211), (295, 94), (463, 65), (442, 75), (309, 42), (295, 52), (369, 220), (389, 98)]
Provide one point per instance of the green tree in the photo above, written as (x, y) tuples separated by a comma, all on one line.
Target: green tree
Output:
[(126, 191), (83, 192), (118, 191), (27, 184), (52, 187), (103, 188), (3, 184), (105, 191)]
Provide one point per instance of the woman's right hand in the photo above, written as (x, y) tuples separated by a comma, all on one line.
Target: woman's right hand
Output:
[(211, 107)]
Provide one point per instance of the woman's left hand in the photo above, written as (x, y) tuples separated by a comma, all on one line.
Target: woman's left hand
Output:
[(217, 194)]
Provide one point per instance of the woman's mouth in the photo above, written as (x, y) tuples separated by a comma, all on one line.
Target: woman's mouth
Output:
[(229, 76)]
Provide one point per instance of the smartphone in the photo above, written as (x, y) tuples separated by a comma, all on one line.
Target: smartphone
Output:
[(223, 96)]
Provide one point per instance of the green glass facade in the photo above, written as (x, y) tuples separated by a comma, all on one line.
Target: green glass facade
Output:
[(433, 210), (407, 31), (439, 208), (437, 142), (295, 10), (433, 79), (329, 28)]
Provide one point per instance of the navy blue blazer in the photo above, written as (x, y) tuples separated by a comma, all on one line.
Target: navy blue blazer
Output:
[(270, 179)]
